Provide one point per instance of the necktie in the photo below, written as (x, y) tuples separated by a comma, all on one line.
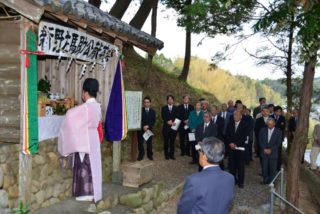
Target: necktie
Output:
[(170, 108), (186, 107)]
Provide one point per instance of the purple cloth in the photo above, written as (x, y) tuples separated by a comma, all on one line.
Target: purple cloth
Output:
[(82, 176), (115, 124)]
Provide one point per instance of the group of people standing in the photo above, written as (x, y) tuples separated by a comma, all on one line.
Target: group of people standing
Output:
[(232, 123)]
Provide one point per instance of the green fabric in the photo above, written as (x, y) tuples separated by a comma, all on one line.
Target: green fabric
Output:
[(32, 81)]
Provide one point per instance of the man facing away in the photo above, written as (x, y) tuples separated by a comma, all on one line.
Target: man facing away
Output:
[(230, 108), (148, 120), (183, 114), (260, 123), (79, 136), (269, 138), (169, 113), (211, 190), (315, 147)]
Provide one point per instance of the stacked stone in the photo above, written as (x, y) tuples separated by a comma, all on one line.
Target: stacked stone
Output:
[(50, 183), (9, 170), (148, 200)]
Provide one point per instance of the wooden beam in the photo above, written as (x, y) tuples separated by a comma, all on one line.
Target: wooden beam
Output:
[(80, 24), (62, 18), (25, 8)]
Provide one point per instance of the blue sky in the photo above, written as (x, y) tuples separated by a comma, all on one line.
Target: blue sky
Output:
[(174, 41)]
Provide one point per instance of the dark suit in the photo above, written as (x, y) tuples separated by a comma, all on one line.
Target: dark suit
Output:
[(281, 125), (257, 127), (210, 131), (227, 118), (219, 121), (250, 123), (147, 119), (237, 157), (256, 111), (210, 191), (169, 135), (269, 162), (183, 133)]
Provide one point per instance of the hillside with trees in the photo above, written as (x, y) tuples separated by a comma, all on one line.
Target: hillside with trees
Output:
[(222, 83)]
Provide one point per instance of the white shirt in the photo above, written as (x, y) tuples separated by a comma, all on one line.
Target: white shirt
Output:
[(185, 106), (270, 131), (224, 115), (265, 119), (170, 107), (209, 166), (237, 124), (214, 119)]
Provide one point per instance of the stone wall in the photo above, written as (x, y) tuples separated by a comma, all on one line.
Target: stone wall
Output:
[(50, 182), (9, 170), (148, 200)]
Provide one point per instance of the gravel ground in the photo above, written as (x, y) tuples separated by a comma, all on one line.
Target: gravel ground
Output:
[(253, 194)]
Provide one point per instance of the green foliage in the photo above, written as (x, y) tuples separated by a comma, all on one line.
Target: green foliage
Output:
[(212, 16), (225, 86), (44, 85), (59, 109), (22, 209)]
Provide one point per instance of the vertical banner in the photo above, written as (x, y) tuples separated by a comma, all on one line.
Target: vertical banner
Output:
[(116, 115), (30, 99)]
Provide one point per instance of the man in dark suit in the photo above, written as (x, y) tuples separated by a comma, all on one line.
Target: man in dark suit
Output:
[(249, 144), (257, 110), (183, 112), (211, 190), (269, 138), (236, 135), (148, 120), (261, 122), (169, 113), (271, 110), (281, 125), (219, 121), (225, 115), (206, 129)]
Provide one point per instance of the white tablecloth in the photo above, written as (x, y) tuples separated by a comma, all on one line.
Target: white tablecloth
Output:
[(49, 127)]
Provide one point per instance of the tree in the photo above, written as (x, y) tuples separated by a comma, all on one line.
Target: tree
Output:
[(142, 14), (211, 17), (307, 37), (119, 8), (95, 3)]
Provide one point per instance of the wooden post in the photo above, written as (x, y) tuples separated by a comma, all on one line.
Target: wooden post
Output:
[(116, 147), (116, 161), (134, 145), (25, 161)]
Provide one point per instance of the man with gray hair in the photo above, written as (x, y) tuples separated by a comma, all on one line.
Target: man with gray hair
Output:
[(270, 139), (211, 190)]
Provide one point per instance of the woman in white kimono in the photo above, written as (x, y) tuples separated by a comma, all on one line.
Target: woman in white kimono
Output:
[(79, 136)]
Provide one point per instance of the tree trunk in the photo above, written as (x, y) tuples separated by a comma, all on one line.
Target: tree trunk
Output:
[(141, 16), (289, 66), (119, 8), (301, 135), (153, 33), (95, 3), (187, 56), (289, 76)]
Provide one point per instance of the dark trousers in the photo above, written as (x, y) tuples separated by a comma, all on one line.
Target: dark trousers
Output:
[(169, 137), (249, 152), (236, 165), (193, 151), (279, 161), (184, 141), (269, 166), (141, 147), (257, 147)]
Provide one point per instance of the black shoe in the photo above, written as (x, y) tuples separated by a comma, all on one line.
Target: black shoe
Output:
[(150, 158), (139, 159), (241, 186), (167, 158), (172, 158)]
